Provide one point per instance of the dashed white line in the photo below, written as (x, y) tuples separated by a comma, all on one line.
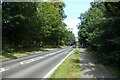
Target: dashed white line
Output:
[(3, 69), (31, 60), (37, 58)]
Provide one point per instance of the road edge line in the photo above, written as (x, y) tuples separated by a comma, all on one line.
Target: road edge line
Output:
[(53, 70)]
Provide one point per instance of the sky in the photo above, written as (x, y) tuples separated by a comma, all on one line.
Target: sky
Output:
[(73, 9)]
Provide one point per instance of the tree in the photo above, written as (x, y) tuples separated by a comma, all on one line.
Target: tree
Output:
[(34, 24), (17, 18), (99, 31)]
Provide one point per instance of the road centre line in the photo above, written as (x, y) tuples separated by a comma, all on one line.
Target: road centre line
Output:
[(37, 58)]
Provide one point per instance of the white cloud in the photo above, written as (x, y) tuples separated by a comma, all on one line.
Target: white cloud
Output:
[(71, 23)]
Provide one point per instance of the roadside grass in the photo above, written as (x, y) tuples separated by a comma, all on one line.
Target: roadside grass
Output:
[(14, 55), (70, 68), (62, 46), (47, 49), (20, 53)]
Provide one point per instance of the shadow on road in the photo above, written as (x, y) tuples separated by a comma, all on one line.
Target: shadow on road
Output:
[(90, 68)]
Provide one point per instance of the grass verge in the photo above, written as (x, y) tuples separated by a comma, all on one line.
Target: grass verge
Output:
[(16, 54), (70, 68)]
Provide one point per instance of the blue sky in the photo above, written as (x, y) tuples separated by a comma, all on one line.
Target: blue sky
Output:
[(73, 9)]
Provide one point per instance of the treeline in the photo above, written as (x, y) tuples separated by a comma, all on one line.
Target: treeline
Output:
[(99, 30), (34, 24)]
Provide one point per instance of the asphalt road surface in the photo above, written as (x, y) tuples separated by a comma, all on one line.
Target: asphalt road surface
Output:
[(34, 66)]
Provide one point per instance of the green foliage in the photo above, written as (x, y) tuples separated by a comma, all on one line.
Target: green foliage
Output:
[(100, 31), (34, 24)]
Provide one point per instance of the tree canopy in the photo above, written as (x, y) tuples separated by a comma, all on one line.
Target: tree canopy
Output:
[(34, 24), (99, 30)]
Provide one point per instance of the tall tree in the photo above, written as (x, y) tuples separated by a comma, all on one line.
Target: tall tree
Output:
[(99, 30), (34, 24)]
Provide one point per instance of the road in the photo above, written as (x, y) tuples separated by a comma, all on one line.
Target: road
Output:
[(34, 66)]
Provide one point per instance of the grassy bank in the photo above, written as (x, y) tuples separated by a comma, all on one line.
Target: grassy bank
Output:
[(20, 53), (70, 68)]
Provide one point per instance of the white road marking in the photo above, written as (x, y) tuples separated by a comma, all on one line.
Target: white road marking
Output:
[(53, 70), (3, 69), (37, 58), (30, 60)]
